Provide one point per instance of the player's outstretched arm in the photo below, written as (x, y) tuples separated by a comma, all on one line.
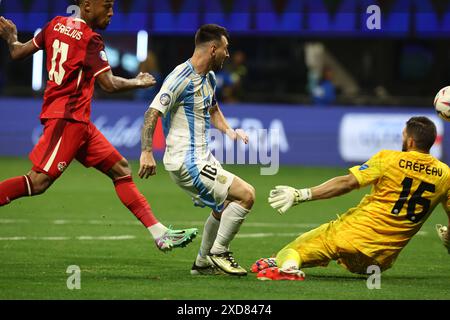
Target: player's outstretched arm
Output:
[(147, 165), (111, 83), (282, 198), (18, 50), (218, 120), (335, 187)]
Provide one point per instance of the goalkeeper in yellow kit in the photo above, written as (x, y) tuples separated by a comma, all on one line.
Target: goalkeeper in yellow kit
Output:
[(406, 187)]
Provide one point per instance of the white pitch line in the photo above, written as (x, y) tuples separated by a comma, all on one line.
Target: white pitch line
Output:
[(180, 223), (283, 225), (126, 223), (129, 237), (123, 237), (7, 221), (52, 238), (96, 222), (187, 223), (257, 224), (266, 235), (61, 222), (106, 238)]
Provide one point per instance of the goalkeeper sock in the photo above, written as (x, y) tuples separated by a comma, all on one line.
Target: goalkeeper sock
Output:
[(230, 223), (209, 235), (288, 258), (135, 202), (15, 188)]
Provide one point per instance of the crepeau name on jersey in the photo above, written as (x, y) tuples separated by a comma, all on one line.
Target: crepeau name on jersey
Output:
[(68, 31), (419, 167)]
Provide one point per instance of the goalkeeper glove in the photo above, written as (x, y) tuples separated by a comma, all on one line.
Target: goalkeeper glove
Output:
[(442, 232), (282, 198)]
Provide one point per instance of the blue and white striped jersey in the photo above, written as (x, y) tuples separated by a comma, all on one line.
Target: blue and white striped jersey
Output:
[(184, 100)]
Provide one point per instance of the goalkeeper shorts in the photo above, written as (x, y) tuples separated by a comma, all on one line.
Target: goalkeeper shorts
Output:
[(326, 243)]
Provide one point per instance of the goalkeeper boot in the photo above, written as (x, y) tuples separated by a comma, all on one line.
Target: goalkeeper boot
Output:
[(225, 262), (263, 263), (274, 273), (175, 238)]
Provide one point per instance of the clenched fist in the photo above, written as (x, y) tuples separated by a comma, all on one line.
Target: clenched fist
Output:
[(145, 80)]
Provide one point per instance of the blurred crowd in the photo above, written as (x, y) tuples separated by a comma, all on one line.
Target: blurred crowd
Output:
[(230, 80), (150, 65), (292, 71)]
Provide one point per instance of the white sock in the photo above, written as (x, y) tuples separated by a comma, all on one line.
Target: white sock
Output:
[(157, 230), (232, 218), (209, 235), (289, 265)]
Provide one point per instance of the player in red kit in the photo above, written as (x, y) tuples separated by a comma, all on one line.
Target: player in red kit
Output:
[(75, 61)]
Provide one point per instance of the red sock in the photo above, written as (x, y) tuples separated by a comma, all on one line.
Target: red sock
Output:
[(134, 200), (14, 188)]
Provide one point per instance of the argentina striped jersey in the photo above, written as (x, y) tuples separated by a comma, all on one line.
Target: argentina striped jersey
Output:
[(184, 100)]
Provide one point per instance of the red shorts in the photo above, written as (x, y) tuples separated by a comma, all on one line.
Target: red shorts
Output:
[(64, 140)]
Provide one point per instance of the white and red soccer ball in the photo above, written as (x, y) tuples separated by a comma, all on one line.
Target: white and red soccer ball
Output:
[(442, 103)]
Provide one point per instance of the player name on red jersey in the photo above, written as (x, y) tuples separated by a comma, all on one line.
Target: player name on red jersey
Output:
[(68, 31), (75, 57)]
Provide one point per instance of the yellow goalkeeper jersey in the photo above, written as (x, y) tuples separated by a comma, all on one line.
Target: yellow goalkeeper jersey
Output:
[(406, 187)]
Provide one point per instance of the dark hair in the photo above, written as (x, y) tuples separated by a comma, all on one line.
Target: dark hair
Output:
[(80, 2), (210, 32), (423, 131)]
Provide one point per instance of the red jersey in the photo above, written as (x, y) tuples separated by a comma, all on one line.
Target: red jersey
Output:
[(75, 57)]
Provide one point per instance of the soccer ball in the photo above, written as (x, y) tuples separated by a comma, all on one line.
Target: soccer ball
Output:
[(442, 103)]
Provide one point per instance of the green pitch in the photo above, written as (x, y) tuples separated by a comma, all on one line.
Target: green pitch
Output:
[(80, 221)]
